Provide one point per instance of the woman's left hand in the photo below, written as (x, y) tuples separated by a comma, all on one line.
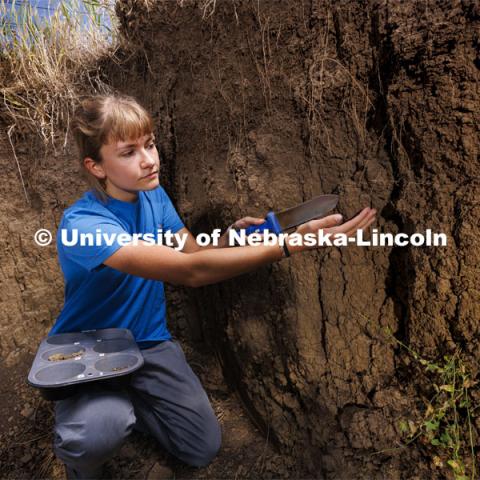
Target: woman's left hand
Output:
[(244, 222)]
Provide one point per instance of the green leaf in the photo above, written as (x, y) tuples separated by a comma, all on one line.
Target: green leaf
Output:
[(448, 388), (440, 414), (446, 439), (454, 464), (403, 425), (431, 425)]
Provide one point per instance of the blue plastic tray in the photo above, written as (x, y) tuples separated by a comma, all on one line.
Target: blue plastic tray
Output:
[(67, 360)]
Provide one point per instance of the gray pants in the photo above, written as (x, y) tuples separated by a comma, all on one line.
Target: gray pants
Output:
[(165, 398)]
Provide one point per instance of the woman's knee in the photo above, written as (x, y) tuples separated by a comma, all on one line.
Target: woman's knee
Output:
[(202, 449), (210, 447), (94, 429)]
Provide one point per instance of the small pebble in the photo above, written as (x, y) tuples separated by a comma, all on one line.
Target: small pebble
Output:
[(26, 458), (27, 411), (128, 451), (160, 472)]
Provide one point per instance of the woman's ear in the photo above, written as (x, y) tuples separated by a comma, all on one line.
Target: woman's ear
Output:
[(93, 167)]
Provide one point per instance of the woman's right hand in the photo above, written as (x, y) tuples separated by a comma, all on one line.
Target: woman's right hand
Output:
[(332, 225)]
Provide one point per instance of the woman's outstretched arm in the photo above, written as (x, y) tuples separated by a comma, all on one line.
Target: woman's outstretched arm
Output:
[(214, 265)]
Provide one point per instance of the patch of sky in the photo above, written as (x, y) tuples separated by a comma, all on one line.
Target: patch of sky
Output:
[(87, 13)]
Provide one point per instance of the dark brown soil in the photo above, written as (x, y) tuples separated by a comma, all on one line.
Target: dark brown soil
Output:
[(259, 106)]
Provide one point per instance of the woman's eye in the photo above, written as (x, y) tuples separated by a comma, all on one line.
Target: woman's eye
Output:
[(151, 145), (128, 154)]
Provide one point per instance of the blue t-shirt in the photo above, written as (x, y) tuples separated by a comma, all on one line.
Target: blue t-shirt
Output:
[(97, 296)]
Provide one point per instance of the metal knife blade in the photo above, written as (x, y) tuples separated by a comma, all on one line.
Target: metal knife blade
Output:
[(317, 207)]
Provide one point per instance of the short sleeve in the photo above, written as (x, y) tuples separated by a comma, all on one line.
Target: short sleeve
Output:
[(89, 240), (171, 219)]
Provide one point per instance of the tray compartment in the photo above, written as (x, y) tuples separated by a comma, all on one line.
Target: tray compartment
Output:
[(116, 363), (111, 346), (111, 334), (60, 372), (54, 355), (64, 338)]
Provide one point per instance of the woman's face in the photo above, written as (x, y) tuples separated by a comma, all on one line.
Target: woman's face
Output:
[(129, 167)]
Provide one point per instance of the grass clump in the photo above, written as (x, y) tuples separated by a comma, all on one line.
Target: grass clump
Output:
[(47, 62), (447, 423)]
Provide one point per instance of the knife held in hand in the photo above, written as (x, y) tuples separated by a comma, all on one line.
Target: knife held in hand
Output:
[(279, 222)]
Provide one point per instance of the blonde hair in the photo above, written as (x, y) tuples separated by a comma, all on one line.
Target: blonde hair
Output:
[(101, 119)]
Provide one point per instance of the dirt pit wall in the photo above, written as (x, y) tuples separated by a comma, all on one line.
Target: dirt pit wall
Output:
[(267, 104)]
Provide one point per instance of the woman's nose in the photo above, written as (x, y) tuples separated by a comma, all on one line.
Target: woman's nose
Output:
[(147, 159)]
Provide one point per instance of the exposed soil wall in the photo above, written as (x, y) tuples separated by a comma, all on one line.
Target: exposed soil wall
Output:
[(265, 104)]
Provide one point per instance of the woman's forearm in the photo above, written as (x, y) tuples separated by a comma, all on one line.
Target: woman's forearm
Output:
[(195, 269), (215, 265)]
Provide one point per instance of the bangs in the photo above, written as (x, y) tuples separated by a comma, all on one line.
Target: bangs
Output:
[(125, 120)]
